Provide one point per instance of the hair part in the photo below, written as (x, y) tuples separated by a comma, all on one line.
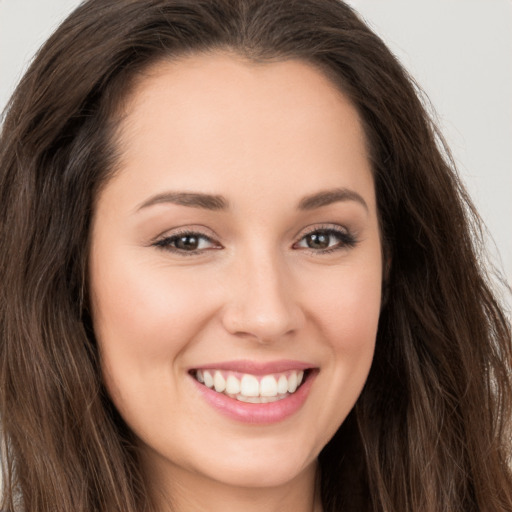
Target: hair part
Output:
[(431, 429)]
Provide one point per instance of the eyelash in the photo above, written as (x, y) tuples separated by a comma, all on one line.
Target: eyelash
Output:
[(346, 240), (166, 242)]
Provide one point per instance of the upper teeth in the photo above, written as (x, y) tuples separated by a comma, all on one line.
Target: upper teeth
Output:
[(249, 386)]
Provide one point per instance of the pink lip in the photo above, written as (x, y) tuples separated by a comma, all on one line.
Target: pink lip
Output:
[(255, 368), (272, 412)]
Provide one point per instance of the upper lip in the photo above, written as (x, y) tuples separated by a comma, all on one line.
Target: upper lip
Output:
[(255, 367)]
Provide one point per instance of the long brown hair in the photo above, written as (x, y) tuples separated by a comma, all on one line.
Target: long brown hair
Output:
[(431, 429)]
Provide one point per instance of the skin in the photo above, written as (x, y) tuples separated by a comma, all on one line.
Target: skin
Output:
[(263, 136)]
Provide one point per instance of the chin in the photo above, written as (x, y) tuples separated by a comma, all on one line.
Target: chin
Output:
[(260, 463), (260, 474)]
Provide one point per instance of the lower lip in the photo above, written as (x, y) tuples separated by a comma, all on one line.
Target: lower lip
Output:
[(272, 412)]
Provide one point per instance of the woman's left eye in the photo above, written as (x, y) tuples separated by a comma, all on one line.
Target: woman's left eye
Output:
[(186, 243), (326, 240)]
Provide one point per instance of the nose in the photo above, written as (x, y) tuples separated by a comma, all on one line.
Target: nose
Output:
[(263, 303)]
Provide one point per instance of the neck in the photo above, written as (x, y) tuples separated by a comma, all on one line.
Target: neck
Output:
[(190, 492)]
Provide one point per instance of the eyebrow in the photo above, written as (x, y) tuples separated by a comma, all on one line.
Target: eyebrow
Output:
[(218, 202), (192, 199), (327, 197)]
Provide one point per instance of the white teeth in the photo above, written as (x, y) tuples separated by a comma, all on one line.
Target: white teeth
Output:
[(250, 385), (268, 399), (282, 385), (268, 386), (249, 399), (232, 385), (250, 388), (219, 382), (208, 379), (259, 399), (292, 382)]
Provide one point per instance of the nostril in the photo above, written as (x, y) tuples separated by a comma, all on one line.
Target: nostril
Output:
[(262, 328)]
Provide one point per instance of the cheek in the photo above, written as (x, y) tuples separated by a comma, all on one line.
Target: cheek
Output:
[(143, 318), (347, 309), (347, 306)]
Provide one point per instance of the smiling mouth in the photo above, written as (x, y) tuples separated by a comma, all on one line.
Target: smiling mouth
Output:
[(256, 389)]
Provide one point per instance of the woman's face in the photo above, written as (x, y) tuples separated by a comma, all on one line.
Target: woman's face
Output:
[(235, 253)]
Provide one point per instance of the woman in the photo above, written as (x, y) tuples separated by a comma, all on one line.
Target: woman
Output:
[(239, 272)]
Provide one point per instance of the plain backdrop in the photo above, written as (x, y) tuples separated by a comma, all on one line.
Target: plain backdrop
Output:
[(460, 52)]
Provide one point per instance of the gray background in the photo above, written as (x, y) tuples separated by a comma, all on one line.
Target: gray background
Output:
[(460, 51)]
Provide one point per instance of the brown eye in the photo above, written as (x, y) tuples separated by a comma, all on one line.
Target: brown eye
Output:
[(187, 243), (326, 240), (318, 240)]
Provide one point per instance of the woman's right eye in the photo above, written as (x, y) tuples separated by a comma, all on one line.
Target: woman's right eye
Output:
[(187, 243)]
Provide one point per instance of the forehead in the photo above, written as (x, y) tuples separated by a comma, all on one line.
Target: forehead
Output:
[(211, 119)]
